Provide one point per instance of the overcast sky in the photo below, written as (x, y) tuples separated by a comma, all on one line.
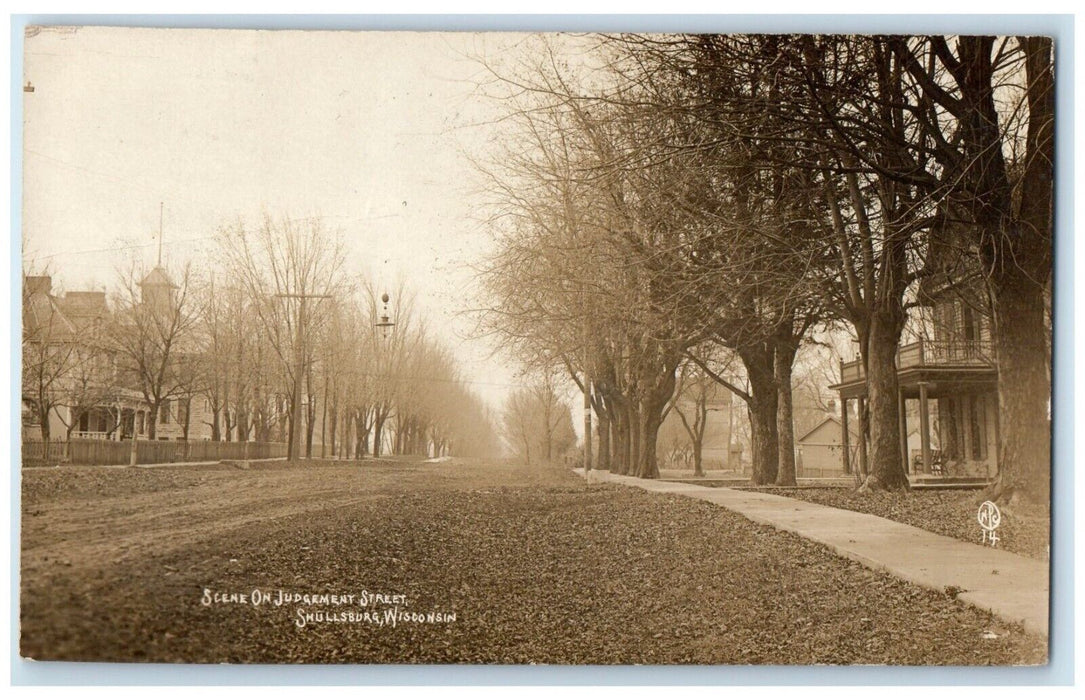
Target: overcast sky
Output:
[(366, 130)]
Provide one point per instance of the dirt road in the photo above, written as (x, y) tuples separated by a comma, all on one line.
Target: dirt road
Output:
[(87, 517)]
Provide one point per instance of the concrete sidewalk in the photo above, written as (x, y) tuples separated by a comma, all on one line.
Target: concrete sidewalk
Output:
[(1010, 586)]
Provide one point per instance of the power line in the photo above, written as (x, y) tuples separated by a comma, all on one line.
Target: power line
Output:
[(115, 249)]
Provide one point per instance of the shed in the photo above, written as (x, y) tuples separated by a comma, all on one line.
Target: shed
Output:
[(821, 451)]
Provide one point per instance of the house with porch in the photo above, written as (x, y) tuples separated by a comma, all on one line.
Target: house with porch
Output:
[(89, 396), (948, 372)]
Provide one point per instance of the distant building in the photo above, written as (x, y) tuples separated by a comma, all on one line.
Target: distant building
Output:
[(91, 396), (820, 452), (722, 419), (86, 395)]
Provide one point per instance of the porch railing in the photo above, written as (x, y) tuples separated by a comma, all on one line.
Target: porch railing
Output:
[(93, 435), (930, 353)]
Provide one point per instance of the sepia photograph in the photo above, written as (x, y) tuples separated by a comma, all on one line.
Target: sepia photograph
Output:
[(535, 348)]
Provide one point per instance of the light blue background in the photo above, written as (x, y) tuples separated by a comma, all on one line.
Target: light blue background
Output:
[(1060, 669)]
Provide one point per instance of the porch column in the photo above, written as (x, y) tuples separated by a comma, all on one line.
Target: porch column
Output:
[(863, 466), (903, 419), (845, 440), (924, 427)]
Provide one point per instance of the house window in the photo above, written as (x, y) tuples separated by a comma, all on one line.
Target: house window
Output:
[(954, 418), (139, 423), (164, 412), (30, 413), (968, 319), (978, 415), (182, 412)]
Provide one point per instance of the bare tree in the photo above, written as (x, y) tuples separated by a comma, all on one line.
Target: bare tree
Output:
[(49, 352), (152, 329), (986, 110), (537, 422), (288, 267)]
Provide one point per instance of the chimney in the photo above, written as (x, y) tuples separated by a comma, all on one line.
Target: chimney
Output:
[(39, 284), (86, 303)]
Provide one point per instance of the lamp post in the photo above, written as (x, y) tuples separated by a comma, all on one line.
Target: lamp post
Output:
[(384, 324)]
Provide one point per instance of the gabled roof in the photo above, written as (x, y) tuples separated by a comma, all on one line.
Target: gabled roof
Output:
[(157, 278), (819, 426), (42, 315)]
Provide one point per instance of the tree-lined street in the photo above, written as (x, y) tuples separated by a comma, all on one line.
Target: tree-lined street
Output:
[(537, 349), (676, 199)]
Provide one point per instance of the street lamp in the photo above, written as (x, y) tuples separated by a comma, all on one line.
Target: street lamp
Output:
[(384, 324)]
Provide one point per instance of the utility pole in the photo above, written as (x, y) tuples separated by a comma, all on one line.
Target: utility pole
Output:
[(299, 361)]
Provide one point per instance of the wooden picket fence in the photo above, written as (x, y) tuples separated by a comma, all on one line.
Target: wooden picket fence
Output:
[(106, 452)]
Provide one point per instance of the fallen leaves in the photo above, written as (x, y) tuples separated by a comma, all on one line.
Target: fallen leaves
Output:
[(538, 566), (947, 512)]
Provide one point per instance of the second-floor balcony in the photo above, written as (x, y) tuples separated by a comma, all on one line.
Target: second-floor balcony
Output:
[(930, 353)]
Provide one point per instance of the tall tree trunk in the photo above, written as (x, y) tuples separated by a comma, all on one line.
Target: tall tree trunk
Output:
[(186, 425), (152, 422), (785, 422), (347, 439), (324, 423), (660, 390), (623, 442), (360, 438), (886, 470), (763, 408), (243, 423), (310, 427), (68, 443), (332, 426), (378, 429), (698, 453), (651, 420), (348, 435), (43, 422), (363, 436), (1023, 396), (1017, 252), (292, 434), (615, 440), (603, 432), (764, 441)]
